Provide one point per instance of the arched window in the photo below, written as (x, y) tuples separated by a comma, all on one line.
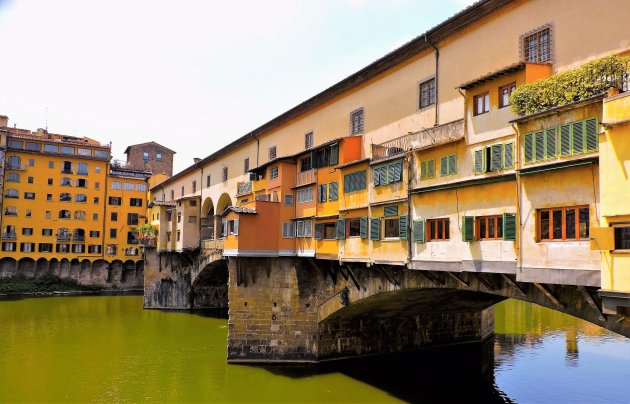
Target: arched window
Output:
[(65, 197), (66, 182), (10, 211), (82, 169), (13, 177), (82, 183), (78, 235), (12, 193), (80, 198), (65, 214), (79, 215), (9, 232), (63, 234), (14, 162)]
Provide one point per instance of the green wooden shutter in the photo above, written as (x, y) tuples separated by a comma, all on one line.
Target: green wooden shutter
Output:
[(539, 145), (468, 228), (378, 178), (550, 144), (340, 229), (362, 180), (321, 194), (334, 155), (236, 227), (418, 231), (375, 228), (508, 158), (319, 231), (444, 165), (496, 157), (509, 226), (592, 141), (394, 172), (529, 147), (423, 170), (391, 210), (403, 227), (333, 191), (452, 164), (363, 227), (431, 169), (479, 161), (578, 137), (565, 140)]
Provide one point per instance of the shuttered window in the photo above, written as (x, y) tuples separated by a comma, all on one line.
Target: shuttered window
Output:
[(438, 229), (354, 227), (354, 182), (509, 226), (490, 227), (319, 231), (403, 226), (566, 140), (418, 231), (288, 230), (427, 169), (363, 227), (340, 229), (494, 158), (448, 165), (380, 176), (308, 228), (375, 228), (388, 174), (300, 229), (333, 191), (390, 210), (305, 195), (468, 228), (322, 192), (563, 223)]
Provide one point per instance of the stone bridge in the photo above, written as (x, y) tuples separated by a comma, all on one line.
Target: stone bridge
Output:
[(306, 310)]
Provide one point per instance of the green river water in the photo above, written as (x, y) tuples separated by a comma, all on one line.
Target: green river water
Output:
[(108, 349)]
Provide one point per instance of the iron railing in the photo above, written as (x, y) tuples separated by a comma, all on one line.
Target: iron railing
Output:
[(9, 236), (391, 148)]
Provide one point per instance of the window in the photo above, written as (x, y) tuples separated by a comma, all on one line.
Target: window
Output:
[(97, 169), (288, 200), (490, 227), (8, 246), (481, 104), (135, 202), (101, 153), (333, 191), (32, 146), (192, 219), (169, 216), (494, 158), (27, 231), (112, 233), (179, 235), (97, 185), (31, 163), (12, 193), (354, 227), (207, 181), (112, 249), (168, 236), (246, 165), (113, 216), (78, 248), (94, 249), (28, 213), (563, 223), (536, 45), (438, 229), (27, 247), (273, 172), (327, 156), (63, 234), (13, 177), (48, 214), (224, 174), (504, 94), (145, 157), (62, 248), (82, 169), (304, 228), (305, 195), (95, 217), (308, 140), (16, 144), (50, 181), (272, 152), (45, 247), (96, 200), (95, 233), (158, 156), (322, 192), (305, 164), (427, 169), (132, 219), (47, 232), (84, 152), (66, 167), (357, 120), (622, 238), (115, 200), (354, 181), (29, 180), (329, 231), (127, 186), (80, 198), (29, 195), (448, 165), (116, 185), (51, 164), (64, 214), (14, 163), (179, 217), (67, 150), (388, 174), (81, 183), (51, 148), (566, 140), (192, 203), (427, 93), (10, 211)]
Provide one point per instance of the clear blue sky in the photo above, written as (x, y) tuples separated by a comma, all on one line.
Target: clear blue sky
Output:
[(191, 75)]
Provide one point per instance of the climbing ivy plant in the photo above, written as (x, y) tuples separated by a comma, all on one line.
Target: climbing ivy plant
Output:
[(590, 79)]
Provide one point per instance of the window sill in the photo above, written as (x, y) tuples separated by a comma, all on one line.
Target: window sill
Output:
[(390, 239), (572, 240)]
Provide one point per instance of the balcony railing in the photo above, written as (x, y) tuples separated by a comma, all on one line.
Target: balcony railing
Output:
[(63, 237), (243, 188), (78, 238), (132, 241), (212, 244), (9, 236), (147, 242), (306, 177), (391, 148), (14, 166), (437, 135)]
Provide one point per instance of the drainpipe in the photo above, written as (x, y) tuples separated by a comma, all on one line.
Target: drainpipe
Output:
[(409, 210), (465, 112), (517, 165), (437, 64), (257, 147)]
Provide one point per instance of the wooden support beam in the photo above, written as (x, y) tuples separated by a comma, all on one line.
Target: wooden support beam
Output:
[(589, 299), (549, 295), (513, 284), (327, 271), (341, 271), (458, 279), (429, 276), (389, 277), (354, 279), (482, 279)]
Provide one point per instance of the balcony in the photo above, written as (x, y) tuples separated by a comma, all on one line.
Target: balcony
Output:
[(147, 242), (9, 236), (66, 171), (14, 166), (212, 244), (306, 177), (243, 188), (437, 135), (63, 237), (78, 239), (391, 148), (133, 241)]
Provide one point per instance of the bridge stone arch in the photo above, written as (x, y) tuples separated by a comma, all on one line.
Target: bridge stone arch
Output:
[(26, 267), (224, 202), (207, 209), (209, 286), (209, 220)]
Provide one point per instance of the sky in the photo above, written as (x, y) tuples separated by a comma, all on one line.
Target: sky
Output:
[(190, 75)]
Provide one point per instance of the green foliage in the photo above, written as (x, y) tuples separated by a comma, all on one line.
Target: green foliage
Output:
[(588, 80), (43, 284), (147, 231)]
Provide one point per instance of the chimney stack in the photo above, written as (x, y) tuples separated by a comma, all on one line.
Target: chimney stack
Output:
[(4, 121)]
